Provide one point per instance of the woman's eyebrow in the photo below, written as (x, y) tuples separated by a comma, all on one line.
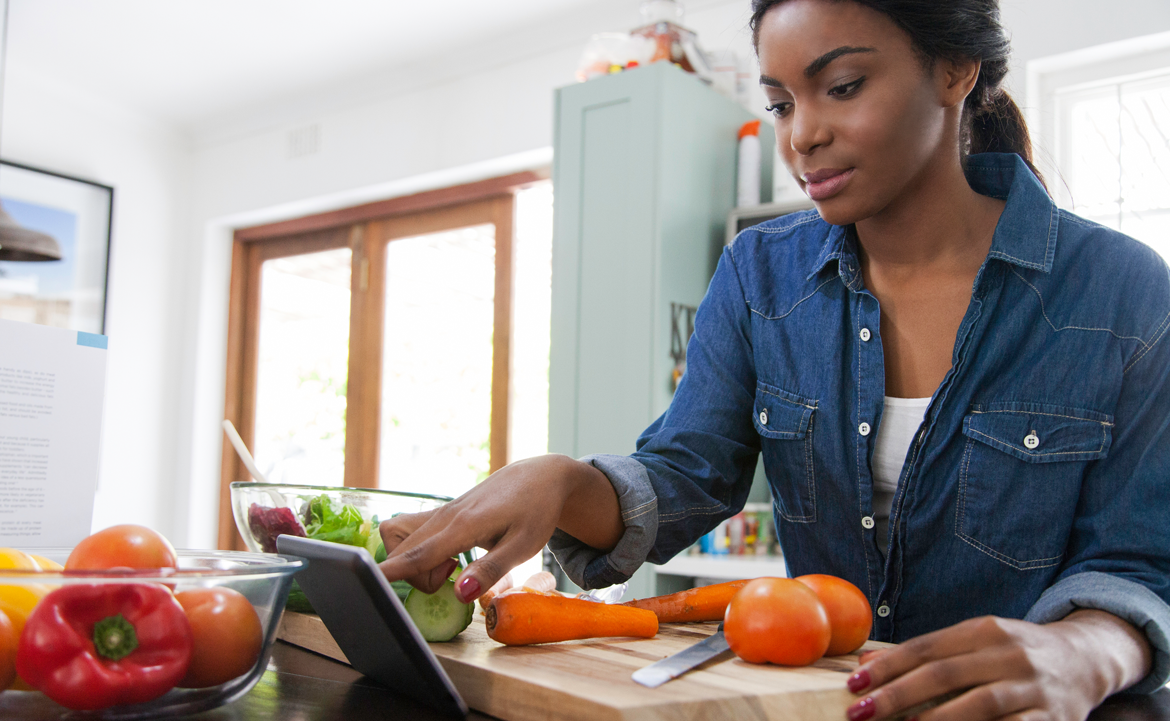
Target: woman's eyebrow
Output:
[(819, 64), (823, 61)]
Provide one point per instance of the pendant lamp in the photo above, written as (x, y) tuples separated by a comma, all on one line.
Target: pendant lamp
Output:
[(17, 242)]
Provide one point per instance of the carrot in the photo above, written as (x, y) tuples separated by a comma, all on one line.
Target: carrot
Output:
[(500, 586), (517, 619), (707, 603)]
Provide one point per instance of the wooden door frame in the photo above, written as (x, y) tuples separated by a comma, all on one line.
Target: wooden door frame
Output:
[(366, 229)]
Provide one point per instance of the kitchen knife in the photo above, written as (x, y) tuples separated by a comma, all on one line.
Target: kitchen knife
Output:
[(674, 666)]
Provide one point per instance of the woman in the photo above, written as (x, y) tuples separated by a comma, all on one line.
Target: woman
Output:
[(960, 392)]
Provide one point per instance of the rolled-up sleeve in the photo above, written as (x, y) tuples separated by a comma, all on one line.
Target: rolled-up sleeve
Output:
[(590, 568), (693, 466), (1118, 558)]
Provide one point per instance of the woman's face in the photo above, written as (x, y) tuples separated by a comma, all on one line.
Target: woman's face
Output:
[(859, 120)]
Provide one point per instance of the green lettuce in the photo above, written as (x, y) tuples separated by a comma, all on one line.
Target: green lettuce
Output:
[(325, 521)]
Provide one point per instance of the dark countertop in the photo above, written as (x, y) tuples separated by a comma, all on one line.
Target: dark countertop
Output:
[(303, 686)]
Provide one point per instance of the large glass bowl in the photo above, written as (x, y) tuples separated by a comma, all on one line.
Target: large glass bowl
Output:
[(263, 578), (249, 498)]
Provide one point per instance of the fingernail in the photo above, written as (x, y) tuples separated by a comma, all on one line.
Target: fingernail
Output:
[(859, 681), (468, 589), (862, 710)]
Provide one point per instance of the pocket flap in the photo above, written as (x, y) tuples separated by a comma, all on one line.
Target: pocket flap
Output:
[(781, 415), (1039, 433)]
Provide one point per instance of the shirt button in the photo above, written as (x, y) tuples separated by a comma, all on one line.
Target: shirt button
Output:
[(883, 610), (864, 429), (866, 335), (764, 417), (1031, 441), (867, 522)]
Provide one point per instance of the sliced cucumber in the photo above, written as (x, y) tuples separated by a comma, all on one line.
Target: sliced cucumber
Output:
[(440, 616)]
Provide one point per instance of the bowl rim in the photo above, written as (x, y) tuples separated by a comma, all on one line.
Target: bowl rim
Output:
[(261, 566), (340, 489)]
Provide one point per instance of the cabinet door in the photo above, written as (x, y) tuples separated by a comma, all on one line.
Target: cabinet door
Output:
[(599, 396)]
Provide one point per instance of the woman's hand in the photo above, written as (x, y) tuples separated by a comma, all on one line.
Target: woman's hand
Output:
[(994, 668), (512, 514)]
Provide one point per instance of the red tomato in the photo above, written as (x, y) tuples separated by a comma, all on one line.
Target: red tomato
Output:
[(850, 616), (8, 644), (777, 620), (126, 546), (227, 635)]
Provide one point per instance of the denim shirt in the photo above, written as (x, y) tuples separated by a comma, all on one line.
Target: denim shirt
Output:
[(1038, 482)]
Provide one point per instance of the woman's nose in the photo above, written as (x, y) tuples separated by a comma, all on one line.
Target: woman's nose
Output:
[(808, 131)]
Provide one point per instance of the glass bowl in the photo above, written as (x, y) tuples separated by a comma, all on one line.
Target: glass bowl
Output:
[(256, 507), (263, 579)]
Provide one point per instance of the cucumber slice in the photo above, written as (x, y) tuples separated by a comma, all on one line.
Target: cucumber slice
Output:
[(440, 616)]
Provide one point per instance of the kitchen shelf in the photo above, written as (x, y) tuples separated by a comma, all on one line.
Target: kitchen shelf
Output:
[(724, 567)]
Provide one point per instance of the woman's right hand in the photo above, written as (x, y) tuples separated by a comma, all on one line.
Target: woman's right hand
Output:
[(511, 514)]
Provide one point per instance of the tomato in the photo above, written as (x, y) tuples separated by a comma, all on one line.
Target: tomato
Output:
[(126, 546), (8, 643), (850, 616), (227, 635), (777, 620)]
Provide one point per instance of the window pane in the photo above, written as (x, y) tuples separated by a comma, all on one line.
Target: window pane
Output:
[(437, 361), (303, 366), (1092, 168), (531, 317), (1145, 161)]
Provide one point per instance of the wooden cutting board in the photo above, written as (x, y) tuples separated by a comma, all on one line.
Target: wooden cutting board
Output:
[(590, 680)]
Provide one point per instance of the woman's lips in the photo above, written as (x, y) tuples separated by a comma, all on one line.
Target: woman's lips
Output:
[(824, 184)]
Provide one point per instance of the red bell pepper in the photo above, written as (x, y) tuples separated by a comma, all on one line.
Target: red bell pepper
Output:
[(94, 646)]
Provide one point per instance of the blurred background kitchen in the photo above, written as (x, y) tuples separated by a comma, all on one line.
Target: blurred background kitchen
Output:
[(311, 201)]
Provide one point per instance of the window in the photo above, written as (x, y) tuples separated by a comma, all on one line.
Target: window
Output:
[(381, 346), (1105, 121)]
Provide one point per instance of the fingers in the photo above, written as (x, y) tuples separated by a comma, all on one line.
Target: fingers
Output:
[(881, 668), (420, 549), (966, 656), (511, 551), (1003, 700), (395, 530)]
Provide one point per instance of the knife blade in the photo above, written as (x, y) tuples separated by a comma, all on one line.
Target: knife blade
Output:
[(674, 666)]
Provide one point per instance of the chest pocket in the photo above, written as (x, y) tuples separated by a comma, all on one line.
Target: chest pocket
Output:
[(1020, 478), (785, 424)]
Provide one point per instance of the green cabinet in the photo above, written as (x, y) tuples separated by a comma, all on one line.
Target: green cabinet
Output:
[(644, 175)]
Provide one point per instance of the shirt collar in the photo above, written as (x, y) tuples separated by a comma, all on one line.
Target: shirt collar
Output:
[(1025, 235)]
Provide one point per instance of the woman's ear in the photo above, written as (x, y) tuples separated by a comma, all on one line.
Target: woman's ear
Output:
[(955, 80)]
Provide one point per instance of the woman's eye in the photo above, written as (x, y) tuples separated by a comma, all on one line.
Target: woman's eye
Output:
[(778, 109), (846, 89)]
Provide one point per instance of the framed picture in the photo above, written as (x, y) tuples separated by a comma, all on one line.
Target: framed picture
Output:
[(69, 292)]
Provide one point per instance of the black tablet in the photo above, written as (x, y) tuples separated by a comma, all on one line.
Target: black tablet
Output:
[(361, 610)]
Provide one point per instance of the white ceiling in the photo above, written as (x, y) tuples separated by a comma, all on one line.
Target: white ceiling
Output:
[(196, 64)]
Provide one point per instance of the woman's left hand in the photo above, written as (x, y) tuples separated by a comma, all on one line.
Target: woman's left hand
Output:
[(995, 668)]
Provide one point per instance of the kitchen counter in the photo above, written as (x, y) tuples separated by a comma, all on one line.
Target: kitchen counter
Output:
[(303, 686)]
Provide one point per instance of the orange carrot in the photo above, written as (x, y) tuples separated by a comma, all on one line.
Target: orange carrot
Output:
[(500, 586), (517, 619), (707, 603)]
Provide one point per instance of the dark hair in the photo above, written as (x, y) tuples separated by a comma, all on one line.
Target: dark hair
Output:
[(957, 30)]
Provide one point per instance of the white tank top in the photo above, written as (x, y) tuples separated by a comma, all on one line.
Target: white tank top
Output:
[(901, 419)]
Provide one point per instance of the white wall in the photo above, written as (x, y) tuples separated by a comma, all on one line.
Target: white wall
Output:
[(179, 196), (63, 129)]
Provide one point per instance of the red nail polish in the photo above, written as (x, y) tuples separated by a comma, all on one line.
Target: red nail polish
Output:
[(469, 589), (862, 710), (859, 681)]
